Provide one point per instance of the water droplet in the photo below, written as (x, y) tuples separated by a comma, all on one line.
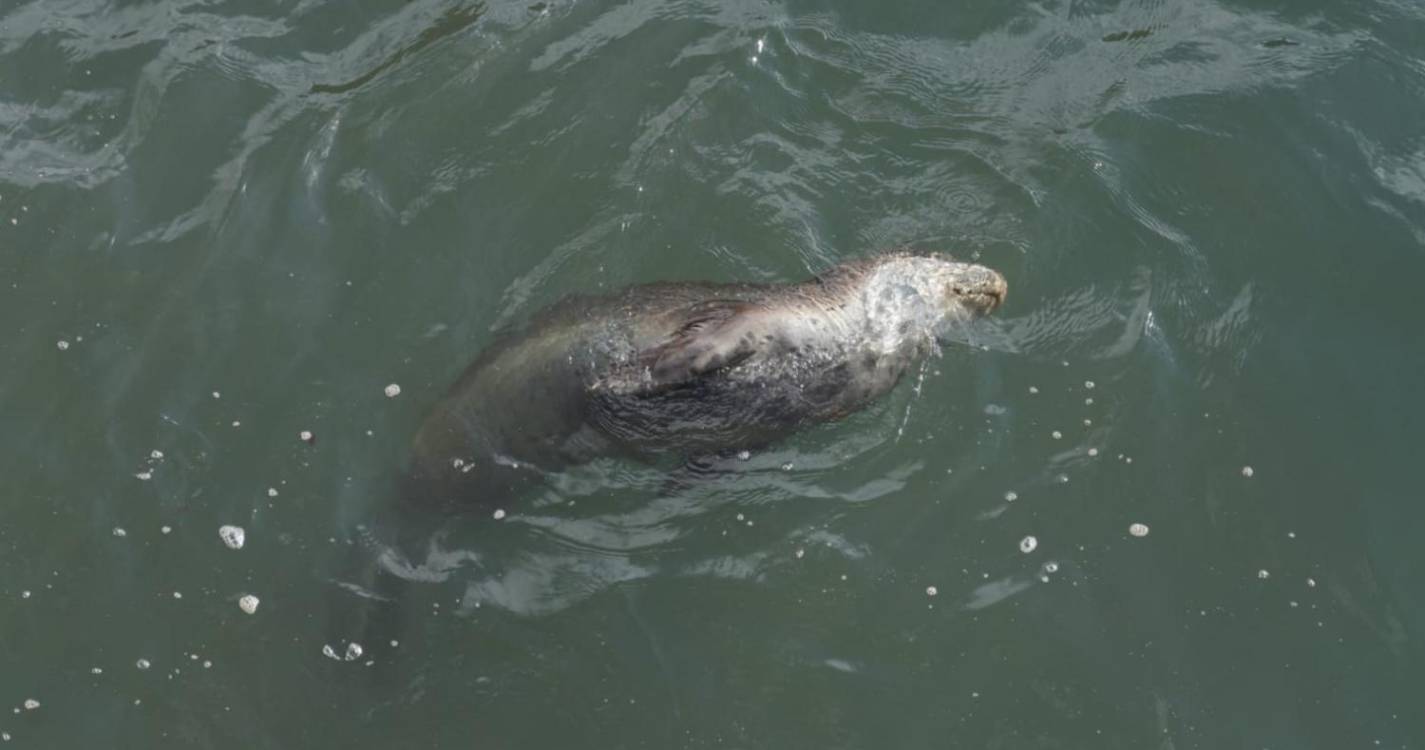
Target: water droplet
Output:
[(1093, 451), (1033, 389), (931, 591), (119, 532), (272, 492), (1311, 583), (499, 514), (353, 651), (144, 475), (142, 664), (1263, 574), (393, 390), (1138, 529), (1027, 544), (31, 704), (1248, 472), (1088, 384), (1056, 434), (307, 437), (62, 344), (166, 529), (217, 394), (233, 536), (1051, 567), (248, 603), (1011, 496), (156, 455)]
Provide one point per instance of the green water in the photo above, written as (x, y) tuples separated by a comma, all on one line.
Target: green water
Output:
[(245, 219)]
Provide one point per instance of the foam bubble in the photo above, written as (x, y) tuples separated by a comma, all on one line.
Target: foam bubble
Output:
[(233, 536)]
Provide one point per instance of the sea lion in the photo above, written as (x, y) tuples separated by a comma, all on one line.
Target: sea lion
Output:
[(690, 368)]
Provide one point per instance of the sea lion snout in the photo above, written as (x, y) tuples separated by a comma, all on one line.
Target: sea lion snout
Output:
[(979, 288)]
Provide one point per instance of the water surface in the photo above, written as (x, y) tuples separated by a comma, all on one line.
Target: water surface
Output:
[(224, 222)]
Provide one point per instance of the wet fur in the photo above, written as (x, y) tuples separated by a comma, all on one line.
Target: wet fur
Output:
[(687, 368)]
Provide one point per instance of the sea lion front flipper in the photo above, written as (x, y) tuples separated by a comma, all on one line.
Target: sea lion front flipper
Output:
[(713, 338)]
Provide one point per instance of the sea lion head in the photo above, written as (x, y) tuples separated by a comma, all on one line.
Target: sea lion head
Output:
[(910, 298), (975, 288)]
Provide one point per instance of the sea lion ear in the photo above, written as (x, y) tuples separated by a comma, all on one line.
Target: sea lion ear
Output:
[(712, 339)]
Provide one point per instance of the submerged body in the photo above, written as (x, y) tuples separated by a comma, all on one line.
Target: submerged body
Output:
[(690, 368)]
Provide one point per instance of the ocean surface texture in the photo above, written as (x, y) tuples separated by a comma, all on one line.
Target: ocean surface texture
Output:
[(1167, 497)]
